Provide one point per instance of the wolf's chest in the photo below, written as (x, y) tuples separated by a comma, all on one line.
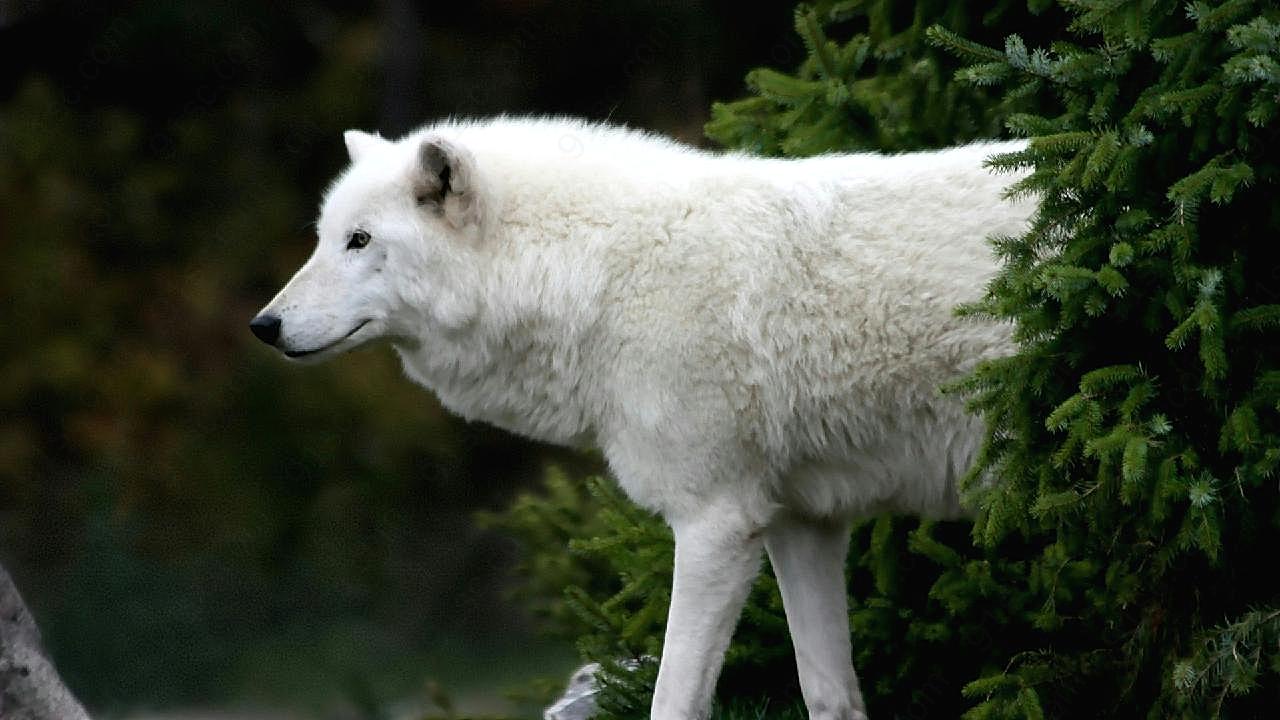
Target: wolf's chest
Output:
[(524, 390)]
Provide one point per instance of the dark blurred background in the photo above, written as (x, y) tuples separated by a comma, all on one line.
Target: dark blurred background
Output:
[(195, 522)]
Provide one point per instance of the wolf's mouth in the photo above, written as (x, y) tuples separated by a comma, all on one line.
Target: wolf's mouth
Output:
[(295, 354)]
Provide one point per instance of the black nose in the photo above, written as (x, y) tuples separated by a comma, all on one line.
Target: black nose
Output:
[(266, 327)]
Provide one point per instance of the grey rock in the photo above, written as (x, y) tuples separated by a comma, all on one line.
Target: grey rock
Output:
[(30, 688), (579, 699)]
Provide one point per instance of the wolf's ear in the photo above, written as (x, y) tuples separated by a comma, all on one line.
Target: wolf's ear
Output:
[(359, 143), (443, 181)]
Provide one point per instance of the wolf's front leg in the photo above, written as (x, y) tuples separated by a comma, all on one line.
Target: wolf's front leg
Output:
[(717, 557), (808, 559)]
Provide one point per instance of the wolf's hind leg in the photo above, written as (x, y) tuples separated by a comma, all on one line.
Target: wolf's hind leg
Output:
[(808, 559)]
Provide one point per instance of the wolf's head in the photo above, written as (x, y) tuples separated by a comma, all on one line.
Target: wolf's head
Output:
[(395, 254)]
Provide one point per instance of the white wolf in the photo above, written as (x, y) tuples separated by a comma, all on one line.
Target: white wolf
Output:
[(756, 345)]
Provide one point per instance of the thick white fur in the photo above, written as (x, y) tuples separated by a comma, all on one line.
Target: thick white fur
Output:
[(756, 345)]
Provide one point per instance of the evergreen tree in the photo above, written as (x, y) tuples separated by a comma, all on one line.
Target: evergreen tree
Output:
[(871, 81), (1135, 437), (1129, 468)]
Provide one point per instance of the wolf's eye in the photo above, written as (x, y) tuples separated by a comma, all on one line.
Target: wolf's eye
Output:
[(357, 239)]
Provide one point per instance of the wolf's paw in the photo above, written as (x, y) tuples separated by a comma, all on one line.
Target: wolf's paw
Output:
[(845, 713)]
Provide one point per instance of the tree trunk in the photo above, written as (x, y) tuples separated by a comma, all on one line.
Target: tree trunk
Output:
[(30, 688)]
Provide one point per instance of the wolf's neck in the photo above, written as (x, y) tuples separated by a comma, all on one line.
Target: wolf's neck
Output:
[(522, 364)]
